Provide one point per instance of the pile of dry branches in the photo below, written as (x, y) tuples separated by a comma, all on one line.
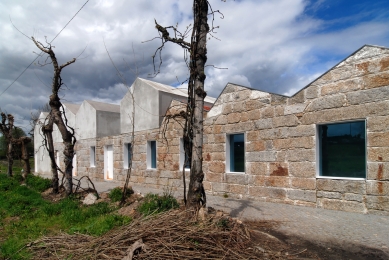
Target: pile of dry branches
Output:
[(170, 235)]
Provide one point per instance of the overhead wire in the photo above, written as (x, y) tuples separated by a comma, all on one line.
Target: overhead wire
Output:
[(41, 52)]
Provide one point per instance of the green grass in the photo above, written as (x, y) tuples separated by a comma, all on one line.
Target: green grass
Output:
[(116, 194), (153, 203), (26, 216)]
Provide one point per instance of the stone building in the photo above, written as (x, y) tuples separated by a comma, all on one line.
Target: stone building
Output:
[(326, 146)]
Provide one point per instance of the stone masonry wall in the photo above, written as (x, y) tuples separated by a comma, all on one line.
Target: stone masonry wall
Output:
[(280, 138)]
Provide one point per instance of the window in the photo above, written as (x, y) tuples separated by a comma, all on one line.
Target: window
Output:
[(184, 159), (342, 150), (92, 158), (235, 153), (151, 154), (127, 155)]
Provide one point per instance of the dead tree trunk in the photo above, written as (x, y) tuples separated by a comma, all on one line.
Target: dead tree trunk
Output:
[(6, 129), (198, 58), (193, 130), (47, 130), (23, 142), (58, 118)]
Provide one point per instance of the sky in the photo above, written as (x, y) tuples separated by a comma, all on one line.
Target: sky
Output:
[(278, 46)]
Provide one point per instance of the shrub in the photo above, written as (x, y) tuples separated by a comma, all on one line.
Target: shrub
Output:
[(153, 203), (116, 194)]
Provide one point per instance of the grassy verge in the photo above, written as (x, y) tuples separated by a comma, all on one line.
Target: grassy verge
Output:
[(26, 216)]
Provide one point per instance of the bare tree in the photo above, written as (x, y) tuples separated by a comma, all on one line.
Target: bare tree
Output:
[(193, 129), (6, 129), (58, 118)]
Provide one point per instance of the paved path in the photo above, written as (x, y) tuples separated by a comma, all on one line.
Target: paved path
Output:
[(311, 224)]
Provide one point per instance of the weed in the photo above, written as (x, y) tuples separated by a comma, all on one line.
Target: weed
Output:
[(225, 195), (153, 203), (37, 183), (116, 194), (223, 223)]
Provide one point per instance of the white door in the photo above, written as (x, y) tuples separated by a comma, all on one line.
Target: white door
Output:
[(74, 163), (108, 162)]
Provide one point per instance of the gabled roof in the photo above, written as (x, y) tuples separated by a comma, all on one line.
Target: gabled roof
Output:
[(72, 107), (172, 90), (100, 106), (339, 63)]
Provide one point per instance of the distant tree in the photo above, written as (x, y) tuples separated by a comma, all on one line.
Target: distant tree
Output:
[(6, 129)]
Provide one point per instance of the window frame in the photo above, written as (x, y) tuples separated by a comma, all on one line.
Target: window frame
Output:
[(92, 156), (182, 156), (318, 151), (228, 152), (150, 152), (126, 154)]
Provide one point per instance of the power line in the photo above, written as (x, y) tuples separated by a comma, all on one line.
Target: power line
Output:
[(41, 52)]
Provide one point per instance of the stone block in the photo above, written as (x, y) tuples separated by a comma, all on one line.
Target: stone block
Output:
[(327, 102), (262, 156), (244, 117), (236, 178), (298, 131), (303, 183), (353, 197), (278, 169), (217, 167), (342, 87), (207, 186), (167, 174), (257, 94), (294, 109), (377, 80), (253, 105), (312, 92), (378, 188), (219, 187), (233, 118), (256, 180), (252, 136), (378, 139), (239, 106), (377, 203), (277, 181), (267, 192), (254, 114), (269, 134), (221, 120), (298, 142), (263, 124), (368, 96), (220, 138), (329, 195), (150, 180), (218, 156), (213, 177), (289, 120), (378, 124), (301, 155), (279, 111), (343, 186), (297, 98), (267, 112), (302, 169), (378, 154), (255, 146), (237, 189), (278, 100), (378, 171), (304, 195), (256, 168), (350, 206)]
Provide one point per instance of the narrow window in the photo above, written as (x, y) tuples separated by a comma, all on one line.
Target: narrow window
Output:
[(342, 150), (127, 155), (184, 159), (152, 154), (235, 153), (92, 158)]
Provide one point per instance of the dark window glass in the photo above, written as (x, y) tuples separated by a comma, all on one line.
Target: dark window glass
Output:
[(237, 153), (153, 149), (343, 150)]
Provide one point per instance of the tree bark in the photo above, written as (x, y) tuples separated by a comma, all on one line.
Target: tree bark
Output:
[(10, 158), (48, 132), (198, 58)]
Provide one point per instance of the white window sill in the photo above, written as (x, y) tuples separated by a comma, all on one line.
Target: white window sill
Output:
[(235, 172), (340, 178)]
